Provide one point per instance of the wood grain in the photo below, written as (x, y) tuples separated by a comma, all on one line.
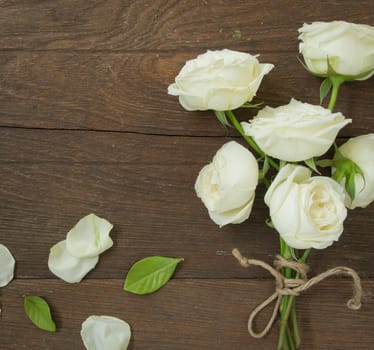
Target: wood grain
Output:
[(128, 92), (52, 178), (86, 125), (167, 25), (185, 314)]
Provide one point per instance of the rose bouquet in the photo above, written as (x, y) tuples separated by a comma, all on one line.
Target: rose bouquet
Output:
[(287, 149)]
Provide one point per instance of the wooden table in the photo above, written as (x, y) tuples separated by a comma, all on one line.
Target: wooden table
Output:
[(86, 125)]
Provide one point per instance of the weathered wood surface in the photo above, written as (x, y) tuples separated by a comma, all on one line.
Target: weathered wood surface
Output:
[(166, 25), (86, 126), (128, 92), (144, 185), (185, 314)]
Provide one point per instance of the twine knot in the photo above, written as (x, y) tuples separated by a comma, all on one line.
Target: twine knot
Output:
[(293, 286)]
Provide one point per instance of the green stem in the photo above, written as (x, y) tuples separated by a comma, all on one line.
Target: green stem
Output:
[(336, 83), (295, 327), (288, 301), (249, 139), (289, 339)]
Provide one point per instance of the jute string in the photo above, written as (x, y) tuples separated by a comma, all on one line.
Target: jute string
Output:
[(290, 286)]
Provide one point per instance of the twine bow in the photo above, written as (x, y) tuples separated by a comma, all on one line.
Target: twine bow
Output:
[(290, 286)]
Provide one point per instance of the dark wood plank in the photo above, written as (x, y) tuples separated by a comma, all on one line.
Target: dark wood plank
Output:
[(188, 314), (52, 178), (167, 25), (128, 92)]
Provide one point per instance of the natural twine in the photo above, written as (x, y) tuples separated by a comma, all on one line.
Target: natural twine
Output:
[(290, 286)]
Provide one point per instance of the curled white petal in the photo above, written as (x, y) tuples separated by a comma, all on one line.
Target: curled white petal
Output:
[(7, 264), (105, 333), (219, 80), (227, 185), (308, 212), (89, 237), (296, 131), (68, 267)]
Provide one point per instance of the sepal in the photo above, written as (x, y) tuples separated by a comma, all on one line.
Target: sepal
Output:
[(345, 172)]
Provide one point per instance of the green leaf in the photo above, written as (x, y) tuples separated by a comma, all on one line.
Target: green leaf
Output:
[(252, 105), (37, 309), (150, 274), (266, 166), (312, 165), (324, 89), (269, 223), (350, 185), (221, 116), (282, 163), (346, 169), (324, 163)]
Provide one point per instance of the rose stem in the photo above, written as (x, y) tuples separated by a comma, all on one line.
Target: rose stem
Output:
[(289, 338), (249, 139), (336, 82), (295, 327), (289, 303)]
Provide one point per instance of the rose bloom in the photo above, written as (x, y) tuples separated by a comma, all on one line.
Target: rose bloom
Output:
[(295, 132), (219, 80), (348, 47), (360, 150), (308, 212), (227, 185)]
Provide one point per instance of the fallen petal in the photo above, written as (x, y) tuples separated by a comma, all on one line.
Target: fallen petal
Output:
[(89, 237), (105, 332), (7, 264), (67, 267)]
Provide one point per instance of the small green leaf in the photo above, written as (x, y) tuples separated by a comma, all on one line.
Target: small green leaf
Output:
[(37, 309), (150, 274), (346, 169), (350, 185), (324, 89), (324, 163), (266, 166), (269, 223), (221, 116), (312, 165), (252, 105)]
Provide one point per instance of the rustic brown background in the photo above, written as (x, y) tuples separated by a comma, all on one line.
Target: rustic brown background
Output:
[(86, 126)]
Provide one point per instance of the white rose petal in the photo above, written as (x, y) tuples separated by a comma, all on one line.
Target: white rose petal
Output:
[(295, 132), (105, 333), (349, 48), (227, 185), (89, 237), (360, 150), (7, 264), (67, 267), (308, 212), (219, 80)]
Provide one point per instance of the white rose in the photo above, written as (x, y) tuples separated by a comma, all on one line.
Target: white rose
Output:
[(308, 212), (227, 185), (361, 151), (295, 132), (348, 47), (218, 80)]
